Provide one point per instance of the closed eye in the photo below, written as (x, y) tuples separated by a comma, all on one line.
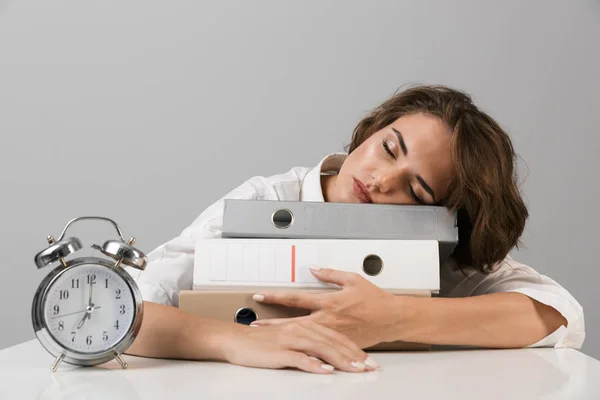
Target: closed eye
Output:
[(387, 149), (415, 197), (412, 193)]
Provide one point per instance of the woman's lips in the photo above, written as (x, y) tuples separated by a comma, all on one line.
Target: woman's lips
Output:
[(360, 190)]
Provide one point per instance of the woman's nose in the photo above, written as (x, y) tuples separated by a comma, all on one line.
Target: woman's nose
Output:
[(386, 180)]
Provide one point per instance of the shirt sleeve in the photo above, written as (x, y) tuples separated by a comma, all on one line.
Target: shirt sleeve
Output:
[(170, 267), (511, 276)]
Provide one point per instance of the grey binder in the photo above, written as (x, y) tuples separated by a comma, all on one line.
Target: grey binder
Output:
[(326, 220)]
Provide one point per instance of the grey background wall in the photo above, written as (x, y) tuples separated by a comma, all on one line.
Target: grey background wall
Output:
[(148, 111)]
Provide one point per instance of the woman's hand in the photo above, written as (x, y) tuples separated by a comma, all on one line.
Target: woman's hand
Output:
[(362, 311), (298, 344), (168, 332)]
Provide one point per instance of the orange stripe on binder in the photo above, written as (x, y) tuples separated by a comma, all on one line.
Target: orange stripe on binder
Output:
[(293, 263)]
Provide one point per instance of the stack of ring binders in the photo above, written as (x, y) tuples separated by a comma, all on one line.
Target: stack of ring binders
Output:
[(269, 245)]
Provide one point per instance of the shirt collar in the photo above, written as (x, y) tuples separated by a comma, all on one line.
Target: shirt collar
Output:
[(311, 185)]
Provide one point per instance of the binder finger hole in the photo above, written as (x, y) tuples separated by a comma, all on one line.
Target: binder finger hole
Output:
[(245, 315), (372, 265), (282, 218)]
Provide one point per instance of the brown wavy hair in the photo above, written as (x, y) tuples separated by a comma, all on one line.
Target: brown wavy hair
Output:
[(484, 193)]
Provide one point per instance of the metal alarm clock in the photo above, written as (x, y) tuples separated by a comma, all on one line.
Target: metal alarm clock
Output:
[(88, 310)]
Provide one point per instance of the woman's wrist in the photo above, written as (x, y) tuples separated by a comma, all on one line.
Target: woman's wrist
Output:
[(225, 340), (402, 312), (209, 339)]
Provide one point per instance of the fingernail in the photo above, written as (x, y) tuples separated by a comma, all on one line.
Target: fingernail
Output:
[(253, 325), (327, 367), (314, 268), (358, 365), (370, 361), (259, 297)]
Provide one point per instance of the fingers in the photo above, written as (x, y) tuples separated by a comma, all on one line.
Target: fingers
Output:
[(270, 354), (313, 342), (308, 363), (330, 353), (302, 345), (341, 278), (347, 346), (309, 301)]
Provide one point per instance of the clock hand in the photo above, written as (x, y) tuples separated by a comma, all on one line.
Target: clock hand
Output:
[(90, 306), (90, 299), (88, 315), (75, 312), (64, 315), (85, 316)]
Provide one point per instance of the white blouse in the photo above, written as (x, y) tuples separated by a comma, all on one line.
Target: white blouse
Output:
[(170, 266)]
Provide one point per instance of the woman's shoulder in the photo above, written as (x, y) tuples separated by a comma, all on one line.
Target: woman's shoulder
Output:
[(296, 184), (294, 175), (281, 186)]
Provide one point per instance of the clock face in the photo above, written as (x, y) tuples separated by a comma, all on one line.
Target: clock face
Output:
[(89, 308)]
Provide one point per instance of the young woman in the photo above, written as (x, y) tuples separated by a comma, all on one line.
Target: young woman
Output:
[(424, 145)]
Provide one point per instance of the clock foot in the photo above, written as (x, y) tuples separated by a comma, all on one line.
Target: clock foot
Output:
[(57, 361), (121, 361)]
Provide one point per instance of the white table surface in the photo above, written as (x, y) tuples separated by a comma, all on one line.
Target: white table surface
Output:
[(459, 374)]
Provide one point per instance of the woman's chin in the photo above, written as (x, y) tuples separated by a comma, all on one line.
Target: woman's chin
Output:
[(349, 199)]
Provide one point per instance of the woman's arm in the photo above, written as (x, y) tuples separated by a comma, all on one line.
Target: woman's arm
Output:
[(168, 332), (500, 320), (368, 315)]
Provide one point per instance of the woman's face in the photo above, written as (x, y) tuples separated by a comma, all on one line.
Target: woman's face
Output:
[(407, 162)]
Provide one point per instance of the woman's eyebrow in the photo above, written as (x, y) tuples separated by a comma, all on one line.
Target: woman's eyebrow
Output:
[(401, 140)]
